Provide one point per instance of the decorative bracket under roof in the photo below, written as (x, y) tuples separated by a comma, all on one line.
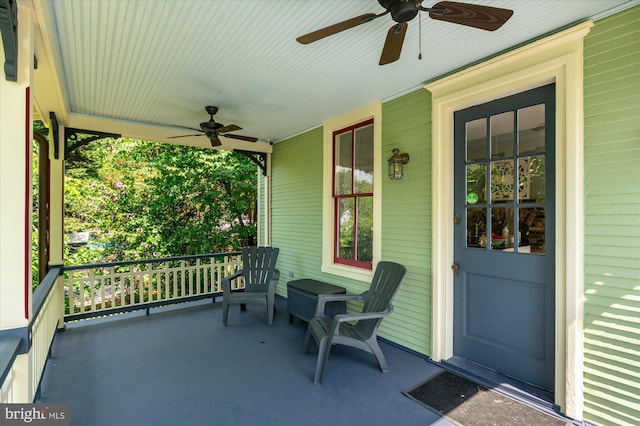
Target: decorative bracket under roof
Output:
[(259, 158), (9, 31), (54, 133), (75, 138)]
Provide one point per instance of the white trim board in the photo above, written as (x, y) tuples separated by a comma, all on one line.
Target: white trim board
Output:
[(370, 111)]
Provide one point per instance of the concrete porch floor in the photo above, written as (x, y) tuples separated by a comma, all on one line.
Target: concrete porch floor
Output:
[(181, 366)]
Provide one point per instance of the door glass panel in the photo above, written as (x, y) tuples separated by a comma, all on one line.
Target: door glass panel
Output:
[(502, 228), (531, 127), (510, 164), (502, 181), (532, 230), (476, 183), (343, 163), (476, 227), (363, 163), (346, 217), (476, 138), (531, 179), (364, 229), (502, 135)]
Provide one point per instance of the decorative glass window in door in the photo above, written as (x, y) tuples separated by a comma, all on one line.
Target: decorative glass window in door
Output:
[(505, 181)]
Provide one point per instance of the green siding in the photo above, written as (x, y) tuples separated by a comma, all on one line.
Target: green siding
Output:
[(612, 220), (406, 218), (296, 206), (406, 215)]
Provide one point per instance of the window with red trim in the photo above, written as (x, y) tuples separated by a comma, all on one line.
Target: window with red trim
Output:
[(353, 195)]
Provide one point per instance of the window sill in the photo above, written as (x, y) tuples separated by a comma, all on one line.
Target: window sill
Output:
[(357, 274)]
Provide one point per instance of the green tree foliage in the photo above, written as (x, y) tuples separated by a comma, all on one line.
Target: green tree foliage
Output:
[(144, 200)]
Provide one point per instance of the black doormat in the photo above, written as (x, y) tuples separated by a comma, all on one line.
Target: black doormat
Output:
[(466, 403)]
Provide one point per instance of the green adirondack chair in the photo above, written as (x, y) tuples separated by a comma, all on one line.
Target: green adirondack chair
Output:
[(260, 281), (356, 329)]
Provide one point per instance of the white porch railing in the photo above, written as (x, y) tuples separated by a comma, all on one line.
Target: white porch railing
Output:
[(99, 289), (43, 328), (20, 383), (6, 390)]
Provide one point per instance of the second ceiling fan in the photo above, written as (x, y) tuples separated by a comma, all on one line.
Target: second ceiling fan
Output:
[(213, 130), (402, 11)]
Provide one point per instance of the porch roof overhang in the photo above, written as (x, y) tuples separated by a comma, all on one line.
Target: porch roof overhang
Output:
[(147, 69)]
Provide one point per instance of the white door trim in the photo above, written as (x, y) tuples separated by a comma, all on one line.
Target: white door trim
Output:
[(555, 59)]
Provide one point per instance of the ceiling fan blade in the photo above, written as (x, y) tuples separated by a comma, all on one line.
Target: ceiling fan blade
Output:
[(229, 128), (242, 138), (336, 28), (187, 128), (215, 141), (185, 136), (393, 44), (472, 15)]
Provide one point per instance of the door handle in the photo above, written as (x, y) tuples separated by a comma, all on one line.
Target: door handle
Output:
[(456, 269)]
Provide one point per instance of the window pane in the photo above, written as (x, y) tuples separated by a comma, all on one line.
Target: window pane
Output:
[(476, 227), (502, 135), (344, 162), (363, 156), (502, 227), (365, 229), (531, 179), (531, 125), (532, 229), (502, 181), (476, 136), (476, 184), (345, 227)]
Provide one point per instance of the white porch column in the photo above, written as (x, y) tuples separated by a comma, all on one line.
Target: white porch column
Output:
[(264, 194), (56, 208), (15, 199), (56, 198)]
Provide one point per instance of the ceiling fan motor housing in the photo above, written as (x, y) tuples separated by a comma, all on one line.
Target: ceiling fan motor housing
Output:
[(210, 126), (401, 10)]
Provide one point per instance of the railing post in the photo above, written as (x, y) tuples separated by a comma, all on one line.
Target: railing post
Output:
[(59, 288)]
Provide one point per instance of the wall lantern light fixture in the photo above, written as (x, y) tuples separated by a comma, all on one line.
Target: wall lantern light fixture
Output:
[(396, 161)]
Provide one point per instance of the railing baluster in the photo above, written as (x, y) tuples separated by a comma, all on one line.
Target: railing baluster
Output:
[(102, 289), (174, 283), (123, 288), (205, 275), (198, 281), (149, 283), (91, 282), (182, 274)]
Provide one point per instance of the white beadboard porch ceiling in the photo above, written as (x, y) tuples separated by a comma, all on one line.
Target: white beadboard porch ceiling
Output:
[(158, 63)]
